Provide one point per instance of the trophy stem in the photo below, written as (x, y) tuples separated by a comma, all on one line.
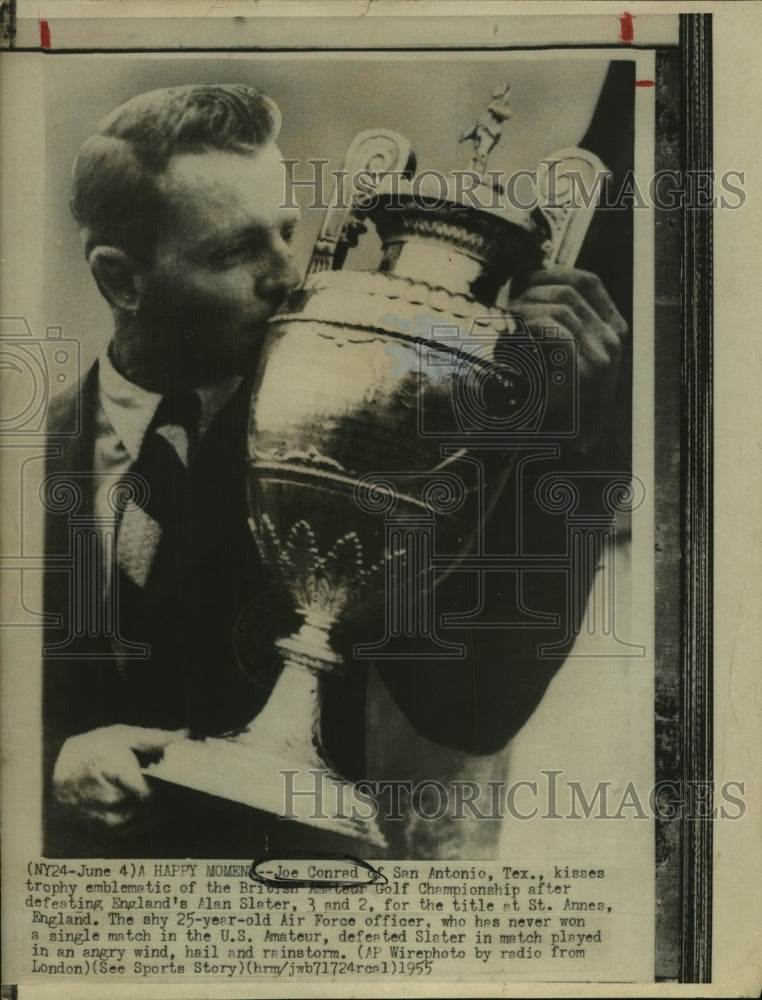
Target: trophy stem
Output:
[(310, 647), (289, 727), (277, 763)]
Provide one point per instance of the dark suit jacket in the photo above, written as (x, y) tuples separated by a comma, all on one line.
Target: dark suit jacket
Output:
[(192, 678)]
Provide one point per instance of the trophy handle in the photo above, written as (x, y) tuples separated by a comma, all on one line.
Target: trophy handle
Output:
[(375, 152), (569, 222)]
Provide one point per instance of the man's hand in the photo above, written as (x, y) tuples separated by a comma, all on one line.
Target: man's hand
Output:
[(98, 777), (576, 306)]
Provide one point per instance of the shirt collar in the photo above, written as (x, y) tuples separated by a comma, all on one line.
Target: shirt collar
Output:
[(130, 409)]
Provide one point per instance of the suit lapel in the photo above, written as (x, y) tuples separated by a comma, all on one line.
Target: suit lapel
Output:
[(70, 446)]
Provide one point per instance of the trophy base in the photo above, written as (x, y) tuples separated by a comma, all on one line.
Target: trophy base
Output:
[(314, 796), (276, 765)]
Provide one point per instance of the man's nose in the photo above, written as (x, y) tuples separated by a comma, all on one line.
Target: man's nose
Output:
[(280, 276)]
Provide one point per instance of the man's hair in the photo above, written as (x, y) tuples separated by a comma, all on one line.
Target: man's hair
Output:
[(115, 192)]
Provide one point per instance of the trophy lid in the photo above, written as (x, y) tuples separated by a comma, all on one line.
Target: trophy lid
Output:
[(462, 213), (454, 230)]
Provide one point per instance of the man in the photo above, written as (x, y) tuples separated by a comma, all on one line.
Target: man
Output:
[(176, 197), (177, 200)]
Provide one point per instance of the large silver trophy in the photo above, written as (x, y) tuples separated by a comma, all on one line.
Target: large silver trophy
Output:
[(364, 375)]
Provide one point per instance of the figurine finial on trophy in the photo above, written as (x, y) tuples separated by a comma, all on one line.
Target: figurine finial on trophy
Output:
[(485, 134)]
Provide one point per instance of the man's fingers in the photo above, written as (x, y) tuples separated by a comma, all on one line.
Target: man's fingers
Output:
[(101, 770), (95, 793), (589, 286), (542, 317), (113, 818), (129, 778), (148, 740), (110, 793), (598, 342)]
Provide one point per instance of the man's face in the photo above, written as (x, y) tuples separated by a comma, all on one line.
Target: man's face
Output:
[(222, 263)]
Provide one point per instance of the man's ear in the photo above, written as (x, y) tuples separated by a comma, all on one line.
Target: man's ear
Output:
[(118, 276)]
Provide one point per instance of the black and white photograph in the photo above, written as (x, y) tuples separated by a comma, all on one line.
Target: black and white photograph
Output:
[(357, 457), (399, 459)]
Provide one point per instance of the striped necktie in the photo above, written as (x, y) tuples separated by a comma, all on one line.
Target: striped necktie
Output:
[(167, 452)]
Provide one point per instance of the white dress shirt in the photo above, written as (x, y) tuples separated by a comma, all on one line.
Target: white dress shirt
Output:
[(123, 415)]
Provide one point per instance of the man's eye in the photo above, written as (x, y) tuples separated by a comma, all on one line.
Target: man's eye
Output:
[(287, 232), (232, 254)]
